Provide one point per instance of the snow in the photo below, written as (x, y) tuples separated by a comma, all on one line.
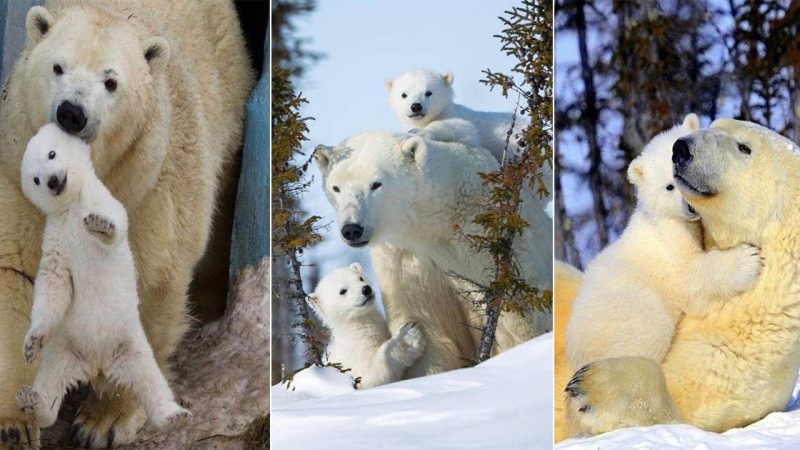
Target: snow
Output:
[(780, 430), (316, 381), (504, 403)]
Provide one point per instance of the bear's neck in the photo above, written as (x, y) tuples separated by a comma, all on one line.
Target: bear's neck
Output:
[(368, 329)]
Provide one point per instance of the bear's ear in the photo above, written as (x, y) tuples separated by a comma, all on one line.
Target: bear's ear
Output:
[(412, 148), (156, 53), (356, 267), (388, 84), (636, 171), (322, 155), (448, 78), (691, 122), (38, 23)]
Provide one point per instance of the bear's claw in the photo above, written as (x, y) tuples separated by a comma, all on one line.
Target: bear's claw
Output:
[(18, 435), (574, 385), (101, 225), (33, 345)]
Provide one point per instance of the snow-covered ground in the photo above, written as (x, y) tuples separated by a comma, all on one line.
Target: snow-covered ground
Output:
[(776, 431), (504, 403)]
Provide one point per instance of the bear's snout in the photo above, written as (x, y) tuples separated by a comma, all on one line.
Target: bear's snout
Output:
[(71, 117), (56, 184), (681, 154), (416, 107), (352, 232)]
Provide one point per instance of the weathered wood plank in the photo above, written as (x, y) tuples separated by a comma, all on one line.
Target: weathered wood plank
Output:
[(250, 237), (12, 31)]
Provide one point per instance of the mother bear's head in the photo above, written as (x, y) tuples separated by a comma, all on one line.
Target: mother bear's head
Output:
[(740, 177)]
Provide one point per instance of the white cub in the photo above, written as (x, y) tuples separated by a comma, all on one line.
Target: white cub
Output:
[(636, 290), (360, 340), (423, 101), (85, 318)]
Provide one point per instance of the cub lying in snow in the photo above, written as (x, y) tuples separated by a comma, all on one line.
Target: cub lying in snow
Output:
[(635, 291), (360, 339), (85, 318)]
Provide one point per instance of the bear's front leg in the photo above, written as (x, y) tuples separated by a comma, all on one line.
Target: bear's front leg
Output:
[(16, 294), (101, 227), (403, 349)]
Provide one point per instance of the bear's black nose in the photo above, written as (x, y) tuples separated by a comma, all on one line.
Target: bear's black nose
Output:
[(71, 117), (681, 154), (352, 232), (52, 182), (416, 107), (366, 290)]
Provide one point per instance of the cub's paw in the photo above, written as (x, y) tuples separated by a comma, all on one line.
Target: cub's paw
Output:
[(171, 415), (748, 264), (29, 400), (100, 226), (411, 335), (34, 342)]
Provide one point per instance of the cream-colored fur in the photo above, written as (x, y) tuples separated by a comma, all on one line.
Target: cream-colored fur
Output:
[(739, 362), (360, 340), (85, 317), (159, 141), (409, 192), (638, 288)]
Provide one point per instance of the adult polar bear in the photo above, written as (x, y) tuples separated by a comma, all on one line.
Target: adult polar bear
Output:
[(158, 87), (407, 192), (740, 362)]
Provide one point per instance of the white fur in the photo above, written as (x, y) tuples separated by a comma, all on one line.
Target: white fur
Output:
[(409, 192), (360, 340), (440, 118), (85, 318), (637, 289)]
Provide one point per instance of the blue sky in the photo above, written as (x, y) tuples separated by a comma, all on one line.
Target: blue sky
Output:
[(367, 42)]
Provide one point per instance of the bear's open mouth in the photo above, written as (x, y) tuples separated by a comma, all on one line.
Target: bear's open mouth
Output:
[(694, 189)]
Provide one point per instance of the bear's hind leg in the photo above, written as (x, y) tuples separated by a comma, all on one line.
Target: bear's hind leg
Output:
[(616, 393)]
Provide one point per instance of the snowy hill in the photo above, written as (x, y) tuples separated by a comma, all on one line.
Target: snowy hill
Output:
[(504, 403)]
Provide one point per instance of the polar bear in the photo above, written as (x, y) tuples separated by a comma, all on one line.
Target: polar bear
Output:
[(423, 101), (739, 362), (638, 288), (360, 340), (85, 317), (158, 87), (409, 192)]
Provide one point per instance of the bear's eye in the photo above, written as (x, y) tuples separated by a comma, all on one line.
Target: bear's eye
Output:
[(403, 95), (111, 85), (343, 291), (428, 93), (361, 279), (58, 70), (375, 185), (670, 187), (745, 149), (336, 189), (36, 180), (51, 155)]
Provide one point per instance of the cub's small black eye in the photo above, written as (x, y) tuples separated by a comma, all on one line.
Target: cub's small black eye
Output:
[(36, 180), (361, 279), (111, 85), (403, 95), (670, 187), (428, 93), (375, 185), (336, 189), (58, 70), (343, 291), (745, 149), (51, 155)]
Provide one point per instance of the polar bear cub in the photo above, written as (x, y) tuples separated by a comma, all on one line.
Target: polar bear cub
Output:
[(360, 339), (85, 318), (423, 101), (636, 290)]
